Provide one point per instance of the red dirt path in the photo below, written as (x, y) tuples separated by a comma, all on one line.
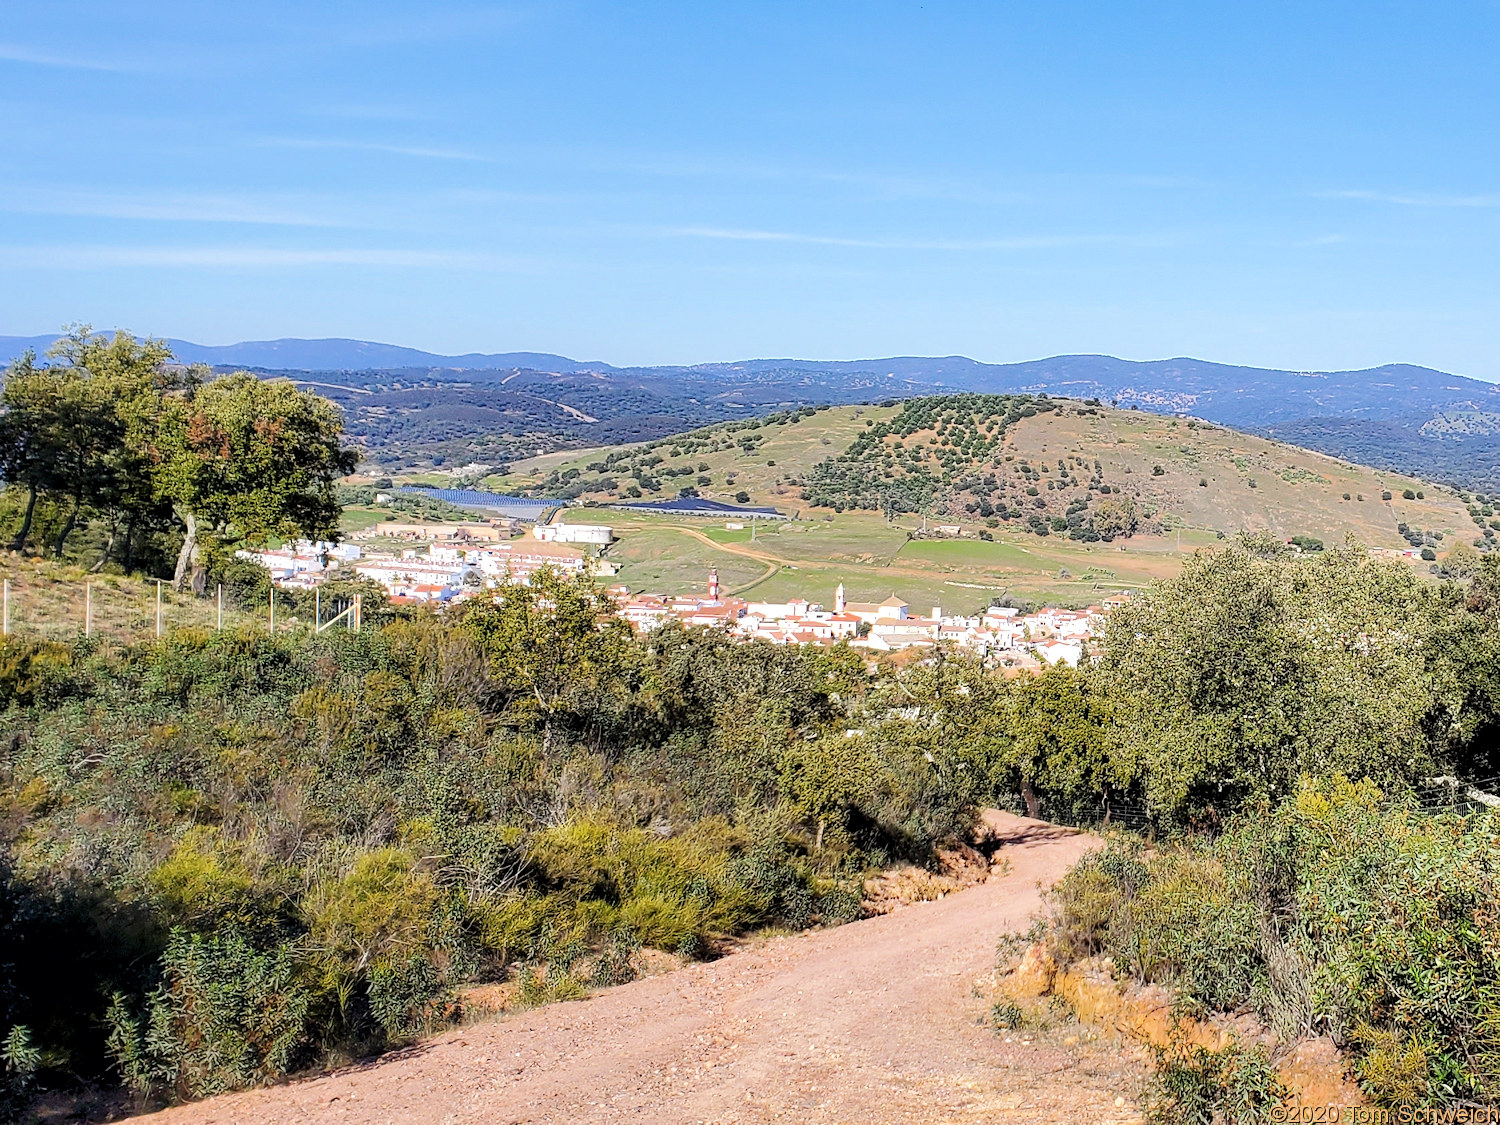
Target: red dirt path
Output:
[(876, 1021)]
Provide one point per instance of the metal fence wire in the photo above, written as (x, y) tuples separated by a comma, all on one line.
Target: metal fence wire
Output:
[(128, 612)]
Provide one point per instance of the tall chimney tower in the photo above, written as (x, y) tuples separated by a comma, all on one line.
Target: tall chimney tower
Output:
[(838, 599), (713, 583)]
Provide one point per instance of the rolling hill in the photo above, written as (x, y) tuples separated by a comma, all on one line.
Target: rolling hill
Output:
[(409, 407), (1094, 499), (1402, 419), (1026, 456)]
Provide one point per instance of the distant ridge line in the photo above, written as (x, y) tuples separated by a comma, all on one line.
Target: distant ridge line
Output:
[(1420, 420), (345, 354)]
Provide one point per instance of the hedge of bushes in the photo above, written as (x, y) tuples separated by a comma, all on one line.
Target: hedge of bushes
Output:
[(1338, 912), (233, 855)]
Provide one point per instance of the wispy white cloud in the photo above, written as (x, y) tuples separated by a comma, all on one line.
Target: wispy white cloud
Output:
[(165, 207), (371, 146), (1024, 242), (464, 21), (696, 166), (16, 53), (84, 257), (370, 112), (1415, 199), (999, 191)]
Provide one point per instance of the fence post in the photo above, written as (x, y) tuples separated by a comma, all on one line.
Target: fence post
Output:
[(358, 611), (221, 606), (158, 609), (5, 613), (317, 608), (88, 609)]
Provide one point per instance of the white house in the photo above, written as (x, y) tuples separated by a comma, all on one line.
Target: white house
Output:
[(574, 533), (1060, 652)]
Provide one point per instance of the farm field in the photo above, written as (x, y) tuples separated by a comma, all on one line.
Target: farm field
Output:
[(874, 560), (668, 557), (1190, 483), (357, 517), (1193, 483)]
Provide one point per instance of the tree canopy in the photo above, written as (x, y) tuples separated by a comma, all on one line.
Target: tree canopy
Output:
[(1254, 669), (256, 458), (109, 429)]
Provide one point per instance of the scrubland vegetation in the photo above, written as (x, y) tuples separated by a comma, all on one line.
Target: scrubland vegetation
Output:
[(1293, 731), (1255, 668), (231, 855), (1340, 911)]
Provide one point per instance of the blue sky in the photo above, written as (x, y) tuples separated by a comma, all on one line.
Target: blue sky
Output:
[(1296, 185)]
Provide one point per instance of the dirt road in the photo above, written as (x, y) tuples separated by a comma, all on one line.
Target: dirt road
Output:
[(877, 1021)]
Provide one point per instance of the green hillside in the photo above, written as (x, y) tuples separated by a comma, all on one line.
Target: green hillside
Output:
[(764, 457), (1075, 499), (1015, 462)]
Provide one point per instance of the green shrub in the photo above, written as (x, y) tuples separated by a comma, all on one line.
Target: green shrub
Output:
[(203, 883), (237, 854), (19, 1060), (383, 905), (548, 986), (33, 671), (1334, 913), (225, 1016), (409, 996), (614, 964), (1192, 1085), (1007, 1015)]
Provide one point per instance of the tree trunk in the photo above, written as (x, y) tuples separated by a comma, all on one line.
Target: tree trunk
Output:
[(1033, 802), (189, 553), (67, 528), (127, 557), (19, 542), (109, 547)]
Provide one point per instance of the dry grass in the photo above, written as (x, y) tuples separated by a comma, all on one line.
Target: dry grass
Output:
[(795, 448), (56, 601), (1296, 492)]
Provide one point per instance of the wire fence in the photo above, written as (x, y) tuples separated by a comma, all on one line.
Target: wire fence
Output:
[(130, 611), (1113, 814), (1448, 794)]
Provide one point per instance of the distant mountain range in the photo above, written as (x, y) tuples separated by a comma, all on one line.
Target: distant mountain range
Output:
[(410, 404), (328, 355)]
